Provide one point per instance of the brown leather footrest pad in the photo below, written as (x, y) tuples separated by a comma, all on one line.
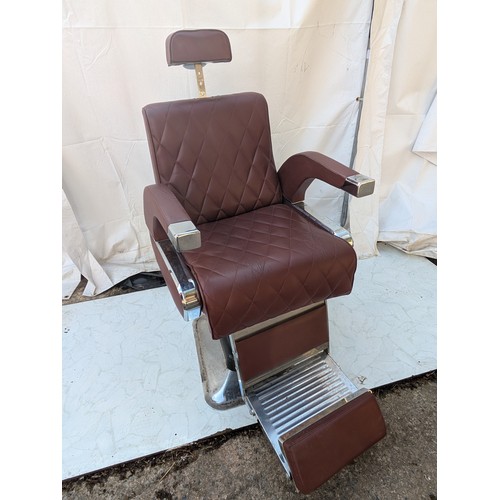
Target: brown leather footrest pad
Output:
[(316, 453)]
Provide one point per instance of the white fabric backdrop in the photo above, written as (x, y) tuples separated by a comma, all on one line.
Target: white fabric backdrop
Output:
[(307, 58), (398, 120)]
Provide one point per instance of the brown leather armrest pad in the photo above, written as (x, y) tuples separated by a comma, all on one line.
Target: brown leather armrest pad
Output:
[(298, 172), (322, 449), (161, 208)]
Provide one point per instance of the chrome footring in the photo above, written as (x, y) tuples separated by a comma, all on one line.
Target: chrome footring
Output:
[(220, 385), (298, 397)]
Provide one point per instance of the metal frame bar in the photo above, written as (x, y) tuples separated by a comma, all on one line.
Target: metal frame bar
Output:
[(183, 279), (308, 213)]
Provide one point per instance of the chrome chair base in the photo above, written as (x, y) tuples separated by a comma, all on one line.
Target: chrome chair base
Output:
[(229, 394), (220, 385)]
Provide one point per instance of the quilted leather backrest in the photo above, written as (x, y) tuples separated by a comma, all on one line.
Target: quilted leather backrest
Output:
[(214, 153)]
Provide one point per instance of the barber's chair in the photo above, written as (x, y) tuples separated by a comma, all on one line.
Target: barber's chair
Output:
[(245, 260)]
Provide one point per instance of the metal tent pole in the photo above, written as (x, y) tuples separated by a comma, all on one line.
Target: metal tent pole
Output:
[(345, 201)]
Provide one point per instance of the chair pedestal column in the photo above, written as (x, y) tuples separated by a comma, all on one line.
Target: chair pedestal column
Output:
[(217, 368)]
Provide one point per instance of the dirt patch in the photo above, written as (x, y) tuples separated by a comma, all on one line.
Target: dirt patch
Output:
[(173, 460), (241, 463)]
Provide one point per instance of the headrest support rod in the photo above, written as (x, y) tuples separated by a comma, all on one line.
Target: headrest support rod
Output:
[(200, 80)]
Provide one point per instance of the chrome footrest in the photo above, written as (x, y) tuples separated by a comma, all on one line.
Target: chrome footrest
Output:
[(297, 397), (316, 419)]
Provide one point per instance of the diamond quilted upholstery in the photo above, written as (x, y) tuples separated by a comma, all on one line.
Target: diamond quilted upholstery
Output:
[(264, 263), (215, 154)]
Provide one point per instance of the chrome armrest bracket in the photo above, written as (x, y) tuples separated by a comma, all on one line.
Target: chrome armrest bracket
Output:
[(184, 236), (359, 185), (183, 279), (339, 231)]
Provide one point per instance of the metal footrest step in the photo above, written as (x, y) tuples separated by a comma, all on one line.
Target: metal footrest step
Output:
[(316, 419)]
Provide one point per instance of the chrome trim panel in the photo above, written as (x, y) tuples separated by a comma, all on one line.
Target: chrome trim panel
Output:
[(251, 330), (183, 279), (308, 212), (343, 233), (359, 185), (184, 236)]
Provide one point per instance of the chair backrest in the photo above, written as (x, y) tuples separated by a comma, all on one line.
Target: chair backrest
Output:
[(215, 154)]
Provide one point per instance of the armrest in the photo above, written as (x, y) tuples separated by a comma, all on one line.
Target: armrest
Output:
[(167, 218), (297, 173)]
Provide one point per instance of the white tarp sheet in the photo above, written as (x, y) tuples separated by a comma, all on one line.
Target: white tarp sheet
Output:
[(426, 143), (398, 120), (307, 58)]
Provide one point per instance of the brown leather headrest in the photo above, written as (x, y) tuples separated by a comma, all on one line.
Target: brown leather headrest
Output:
[(198, 46)]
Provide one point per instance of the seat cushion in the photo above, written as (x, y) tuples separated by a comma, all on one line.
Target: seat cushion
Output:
[(261, 264)]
